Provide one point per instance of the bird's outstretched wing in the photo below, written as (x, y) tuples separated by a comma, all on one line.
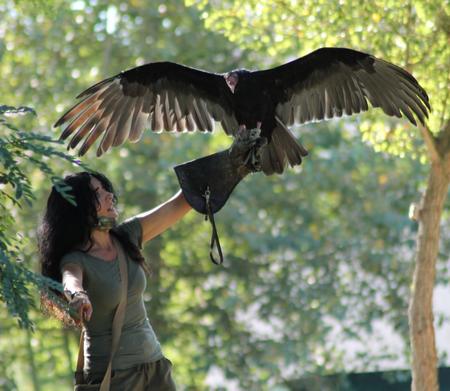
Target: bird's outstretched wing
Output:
[(330, 82), (157, 96)]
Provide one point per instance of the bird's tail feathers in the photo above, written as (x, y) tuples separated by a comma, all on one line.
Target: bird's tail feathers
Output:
[(282, 149)]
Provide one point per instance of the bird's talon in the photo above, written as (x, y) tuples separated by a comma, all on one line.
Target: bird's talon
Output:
[(260, 142)]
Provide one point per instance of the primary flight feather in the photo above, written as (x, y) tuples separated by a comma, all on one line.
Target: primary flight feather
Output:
[(326, 83)]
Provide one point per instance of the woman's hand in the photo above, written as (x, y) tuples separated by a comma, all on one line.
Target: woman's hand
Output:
[(81, 305)]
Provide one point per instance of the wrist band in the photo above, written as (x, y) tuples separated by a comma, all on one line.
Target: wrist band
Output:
[(71, 295)]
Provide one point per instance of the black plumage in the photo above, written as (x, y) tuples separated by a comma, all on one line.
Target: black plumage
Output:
[(327, 83)]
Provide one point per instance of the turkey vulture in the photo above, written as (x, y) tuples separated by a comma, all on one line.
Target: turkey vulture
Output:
[(326, 83)]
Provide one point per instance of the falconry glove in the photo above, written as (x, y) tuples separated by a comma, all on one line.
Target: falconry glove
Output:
[(207, 182)]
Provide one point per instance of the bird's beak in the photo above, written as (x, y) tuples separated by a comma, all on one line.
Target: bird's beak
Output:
[(230, 83)]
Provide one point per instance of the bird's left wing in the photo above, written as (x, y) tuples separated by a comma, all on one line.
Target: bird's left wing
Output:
[(330, 82), (157, 96)]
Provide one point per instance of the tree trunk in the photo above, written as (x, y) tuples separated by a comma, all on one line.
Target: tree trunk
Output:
[(424, 357)]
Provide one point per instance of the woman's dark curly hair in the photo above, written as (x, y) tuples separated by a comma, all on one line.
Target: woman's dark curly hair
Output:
[(66, 227)]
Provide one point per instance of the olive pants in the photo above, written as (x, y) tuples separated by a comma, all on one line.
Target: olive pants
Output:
[(155, 376)]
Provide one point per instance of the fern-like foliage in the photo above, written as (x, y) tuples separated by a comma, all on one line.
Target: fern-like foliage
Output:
[(20, 149)]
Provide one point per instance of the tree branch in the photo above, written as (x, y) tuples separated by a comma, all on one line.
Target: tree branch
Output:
[(430, 142), (444, 147)]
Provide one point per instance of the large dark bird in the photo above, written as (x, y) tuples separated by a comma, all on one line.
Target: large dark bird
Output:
[(326, 83)]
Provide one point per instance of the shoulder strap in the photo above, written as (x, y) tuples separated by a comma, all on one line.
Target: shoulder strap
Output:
[(117, 321), (118, 316)]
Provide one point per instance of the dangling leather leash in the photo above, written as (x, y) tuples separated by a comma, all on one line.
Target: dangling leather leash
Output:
[(214, 236)]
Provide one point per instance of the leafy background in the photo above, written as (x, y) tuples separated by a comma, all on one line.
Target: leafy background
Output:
[(316, 259)]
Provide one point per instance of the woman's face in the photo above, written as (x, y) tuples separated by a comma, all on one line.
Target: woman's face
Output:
[(105, 207)]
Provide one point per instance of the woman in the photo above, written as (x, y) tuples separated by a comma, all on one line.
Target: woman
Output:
[(78, 246)]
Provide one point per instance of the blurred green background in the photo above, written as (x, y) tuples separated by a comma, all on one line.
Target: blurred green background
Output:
[(315, 258)]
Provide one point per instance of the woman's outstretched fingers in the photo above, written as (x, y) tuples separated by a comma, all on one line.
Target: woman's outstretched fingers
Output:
[(86, 310)]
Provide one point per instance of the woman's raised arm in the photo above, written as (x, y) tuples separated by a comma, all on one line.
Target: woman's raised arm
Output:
[(157, 220)]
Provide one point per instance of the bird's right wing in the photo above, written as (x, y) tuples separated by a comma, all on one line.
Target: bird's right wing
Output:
[(330, 82), (157, 96)]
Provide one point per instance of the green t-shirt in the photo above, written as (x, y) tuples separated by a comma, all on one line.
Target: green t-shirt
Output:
[(101, 279)]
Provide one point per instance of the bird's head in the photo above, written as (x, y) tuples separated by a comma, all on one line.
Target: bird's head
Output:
[(232, 79)]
